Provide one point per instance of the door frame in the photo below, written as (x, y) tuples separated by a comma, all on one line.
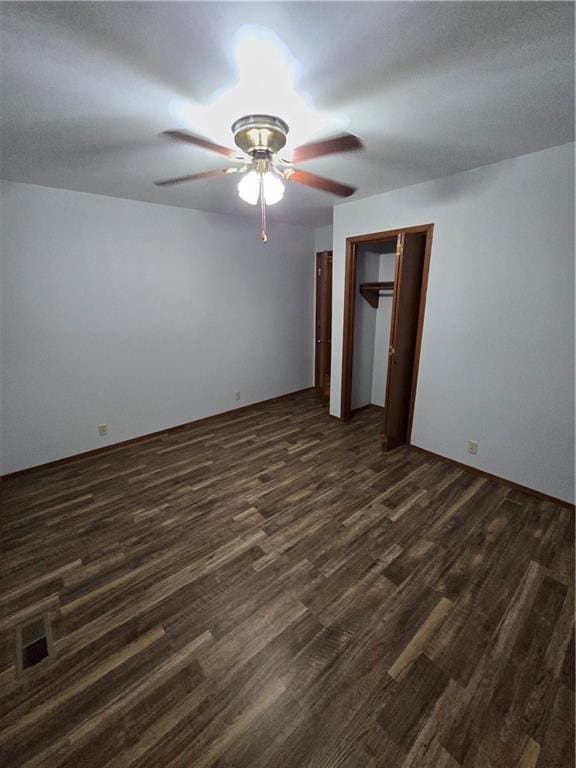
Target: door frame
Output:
[(328, 259), (350, 306)]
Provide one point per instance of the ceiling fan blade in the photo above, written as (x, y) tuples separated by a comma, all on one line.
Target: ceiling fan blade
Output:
[(191, 177), (190, 138), (346, 142), (319, 182)]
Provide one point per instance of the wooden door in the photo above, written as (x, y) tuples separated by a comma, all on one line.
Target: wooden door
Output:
[(403, 333), (323, 346)]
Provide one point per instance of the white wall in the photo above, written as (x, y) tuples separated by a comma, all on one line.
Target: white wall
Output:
[(497, 361), (141, 316), (323, 239), (367, 271)]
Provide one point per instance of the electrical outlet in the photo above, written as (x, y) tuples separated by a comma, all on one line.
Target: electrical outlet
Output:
[(472, 447), (238, 396), (102, 430)]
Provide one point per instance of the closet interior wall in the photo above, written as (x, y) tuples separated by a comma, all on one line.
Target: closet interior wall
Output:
[(376, 263)]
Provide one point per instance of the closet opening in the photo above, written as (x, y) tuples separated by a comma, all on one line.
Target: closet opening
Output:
[(385, 297)]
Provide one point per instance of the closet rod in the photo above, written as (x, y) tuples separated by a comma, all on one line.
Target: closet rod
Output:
[(372, 291)]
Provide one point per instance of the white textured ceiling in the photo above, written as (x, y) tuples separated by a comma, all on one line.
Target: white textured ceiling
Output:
[(431, 89)]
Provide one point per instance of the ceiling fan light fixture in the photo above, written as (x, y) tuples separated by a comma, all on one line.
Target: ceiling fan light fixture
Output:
[(249, 188), (260, 138), (260, 133), (273, 189)]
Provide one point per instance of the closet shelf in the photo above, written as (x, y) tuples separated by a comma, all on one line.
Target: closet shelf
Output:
[(373, 291)]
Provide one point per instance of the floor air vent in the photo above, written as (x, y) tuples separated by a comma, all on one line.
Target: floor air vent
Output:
[(33, 642)]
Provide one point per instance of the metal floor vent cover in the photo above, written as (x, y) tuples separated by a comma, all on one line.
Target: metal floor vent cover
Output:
[(34, 642)]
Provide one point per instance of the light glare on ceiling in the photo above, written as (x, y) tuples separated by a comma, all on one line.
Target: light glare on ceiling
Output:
[(266, 84)]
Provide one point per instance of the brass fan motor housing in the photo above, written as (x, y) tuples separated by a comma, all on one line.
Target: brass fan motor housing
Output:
[(259, 134)]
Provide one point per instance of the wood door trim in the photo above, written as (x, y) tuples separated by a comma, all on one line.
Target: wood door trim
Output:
[(317, 268), (350, 304), (389, 233), (323, 323), (420, 326), (348, 343), (393, 326)]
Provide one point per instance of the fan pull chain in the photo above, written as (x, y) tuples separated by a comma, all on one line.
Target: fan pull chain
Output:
[(263, 234)]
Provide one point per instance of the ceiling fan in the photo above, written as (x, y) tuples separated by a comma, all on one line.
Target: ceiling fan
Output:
[(261, 138)]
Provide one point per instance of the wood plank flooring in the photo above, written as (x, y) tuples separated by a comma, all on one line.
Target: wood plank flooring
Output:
[(269, 590)]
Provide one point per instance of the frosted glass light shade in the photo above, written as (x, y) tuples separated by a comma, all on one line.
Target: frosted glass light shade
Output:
[(249, 188), (273, 189)]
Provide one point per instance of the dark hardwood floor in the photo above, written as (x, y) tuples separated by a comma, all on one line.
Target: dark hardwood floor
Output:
[(270, 590)]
